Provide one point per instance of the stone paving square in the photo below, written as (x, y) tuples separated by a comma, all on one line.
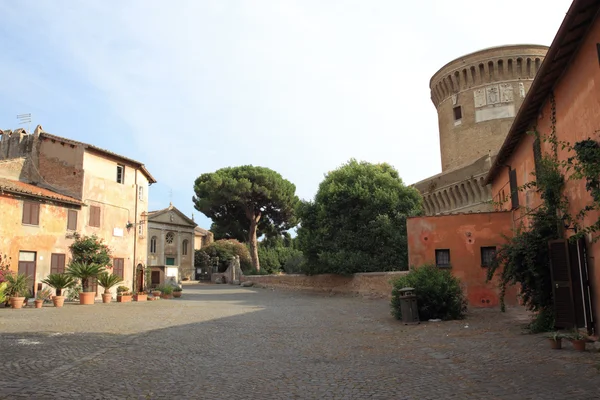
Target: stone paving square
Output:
[(229, 342)]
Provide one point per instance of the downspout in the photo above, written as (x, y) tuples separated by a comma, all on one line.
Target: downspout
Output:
[(137, 197)]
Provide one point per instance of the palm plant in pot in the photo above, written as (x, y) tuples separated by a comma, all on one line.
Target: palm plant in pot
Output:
[(555, 339), (42, 296), (86, 272), (107, 281), (59, 282), (578, 340), (16, 289)]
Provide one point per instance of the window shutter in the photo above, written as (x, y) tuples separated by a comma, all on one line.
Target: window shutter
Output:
[(514, 190), (94, 216), (72, 220), (118, 267), (54, 264), (26, 212), (35, 213), (564, 310)]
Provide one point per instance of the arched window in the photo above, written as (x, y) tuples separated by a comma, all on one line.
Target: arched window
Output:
[(184, 248), (153, 245)]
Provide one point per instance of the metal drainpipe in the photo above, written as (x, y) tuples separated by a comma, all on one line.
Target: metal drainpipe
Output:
[(137, 198)]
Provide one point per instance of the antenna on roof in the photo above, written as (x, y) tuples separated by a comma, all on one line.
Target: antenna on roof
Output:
[(25, 119)]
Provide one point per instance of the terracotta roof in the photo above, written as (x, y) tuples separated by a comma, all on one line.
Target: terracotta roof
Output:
[(201, 231), (566, 43), (22, 188), (103, 151)]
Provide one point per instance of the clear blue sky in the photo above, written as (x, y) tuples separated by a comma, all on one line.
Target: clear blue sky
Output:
[(188, 87)]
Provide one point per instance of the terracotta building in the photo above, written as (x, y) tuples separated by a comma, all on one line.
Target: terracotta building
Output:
[(170, 246), (51, 186), (476, 97), (566, 90), (565, 98)]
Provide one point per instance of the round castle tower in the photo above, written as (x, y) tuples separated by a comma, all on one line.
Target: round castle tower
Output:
[(477, 97)]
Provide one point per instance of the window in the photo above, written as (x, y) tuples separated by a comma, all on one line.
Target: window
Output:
[(31, 213), (487, 255), (442, 258), (72, 220), (141, 230), (141, 193), (120, 173), (457, 113), (57, 263), (153, 245), (514, 190), (170, 261), (27, 266), (95, 216), (170, 237), (184, 248), (118, 267)]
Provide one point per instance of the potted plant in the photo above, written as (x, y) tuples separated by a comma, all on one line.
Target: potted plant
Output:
[(177, 291), (59, 282), (123, 294), (555, 339), (17, 287), (107, 281), (3, 287), (27, 294), (141, 296), (156, 293), (166, 292), (86, 272), (41, 297), (578, 340)]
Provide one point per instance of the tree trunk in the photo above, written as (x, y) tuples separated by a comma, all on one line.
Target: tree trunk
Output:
[(254, 243)]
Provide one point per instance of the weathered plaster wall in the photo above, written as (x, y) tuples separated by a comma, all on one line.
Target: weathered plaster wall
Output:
[(577, 97), (47, 238), (59, 164), (117, 203), (373, 284), (463, 235)]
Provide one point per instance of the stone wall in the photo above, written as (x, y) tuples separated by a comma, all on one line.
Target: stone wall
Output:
[(372, 284)]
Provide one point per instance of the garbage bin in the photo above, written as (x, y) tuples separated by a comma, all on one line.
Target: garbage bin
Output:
[(408, 306)]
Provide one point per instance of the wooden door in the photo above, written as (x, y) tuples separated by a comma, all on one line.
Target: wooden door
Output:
[(140, 278), (155, 278), (28, 268), (562, 286)]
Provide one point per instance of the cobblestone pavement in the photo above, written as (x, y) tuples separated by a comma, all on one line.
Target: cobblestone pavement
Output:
[(226, 342)]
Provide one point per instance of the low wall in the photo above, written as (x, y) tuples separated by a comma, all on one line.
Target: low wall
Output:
[(372, 284)]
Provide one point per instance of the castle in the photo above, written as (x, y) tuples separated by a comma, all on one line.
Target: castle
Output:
[(477, 97)]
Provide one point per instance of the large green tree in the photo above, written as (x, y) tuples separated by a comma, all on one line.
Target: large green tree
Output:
[(247, 200), (357, 221)]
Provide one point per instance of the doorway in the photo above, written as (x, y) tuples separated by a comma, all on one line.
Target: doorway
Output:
[(139, 278), (27, 266)]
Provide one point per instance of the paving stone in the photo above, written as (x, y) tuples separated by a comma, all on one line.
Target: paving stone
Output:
[(230, 342)]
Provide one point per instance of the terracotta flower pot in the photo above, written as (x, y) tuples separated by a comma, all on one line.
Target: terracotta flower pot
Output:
[(17, 302), (555, 344), (124, 298), (39, 303), (579, 345), (156, 293), (58, 301), (106, 297), (141, 297), (166, 296), (177, 294), (87, 298)]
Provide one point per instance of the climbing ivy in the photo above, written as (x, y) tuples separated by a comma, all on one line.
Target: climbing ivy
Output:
[(525, 257)]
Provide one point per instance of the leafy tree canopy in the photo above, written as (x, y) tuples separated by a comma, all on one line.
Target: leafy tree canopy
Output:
[(357, 221), (90, 250), (246, 201)]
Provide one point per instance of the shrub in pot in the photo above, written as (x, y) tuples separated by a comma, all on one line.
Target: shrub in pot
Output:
[(86, 272), (578, 340), (59, 282), (141, 296), (177, 291), (439, 293), (17, 289), (3, 287), (123, 294), (166, 291), (107, 281)]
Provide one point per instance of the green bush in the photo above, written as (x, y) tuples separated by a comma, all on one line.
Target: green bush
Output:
[(439, 294), (274, 259), (225, 250)]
